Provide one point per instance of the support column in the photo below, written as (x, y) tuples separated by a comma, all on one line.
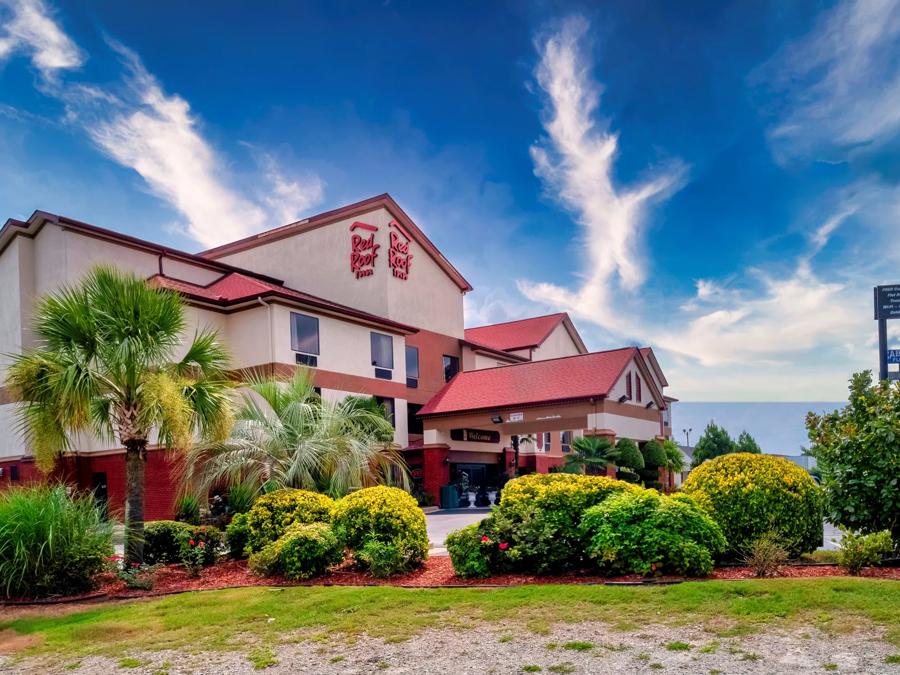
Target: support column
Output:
[(609, 435), (435, 469)]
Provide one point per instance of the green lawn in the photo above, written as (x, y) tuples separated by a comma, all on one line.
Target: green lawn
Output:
[(251, 619)]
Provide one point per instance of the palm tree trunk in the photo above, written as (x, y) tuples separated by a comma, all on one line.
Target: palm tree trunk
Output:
[(135, 462)]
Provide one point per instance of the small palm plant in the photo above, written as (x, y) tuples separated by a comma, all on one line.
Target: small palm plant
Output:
[(590, 455), (287, 436), (105, 364)]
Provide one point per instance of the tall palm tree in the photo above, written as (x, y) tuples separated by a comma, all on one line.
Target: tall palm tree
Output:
[(105, 363), (590, 455), (288, 436)]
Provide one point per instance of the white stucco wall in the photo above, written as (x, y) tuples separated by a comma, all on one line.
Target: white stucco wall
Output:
[(318, 262), (558, 343), (625, 427)]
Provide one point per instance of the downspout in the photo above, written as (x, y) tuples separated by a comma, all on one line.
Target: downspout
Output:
[(268, 306)]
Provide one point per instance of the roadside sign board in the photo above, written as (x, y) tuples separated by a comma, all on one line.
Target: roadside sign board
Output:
[(887, 302), (893, 355)]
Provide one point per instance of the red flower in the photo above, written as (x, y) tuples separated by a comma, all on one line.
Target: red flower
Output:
[(115, 558), (504, 546), (485, 539), (191, 542), (202, 544)]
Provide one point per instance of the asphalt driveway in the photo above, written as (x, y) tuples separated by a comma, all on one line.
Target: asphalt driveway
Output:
[(442, 523)]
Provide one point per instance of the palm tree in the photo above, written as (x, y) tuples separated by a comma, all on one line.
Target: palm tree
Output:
[(590, 455), (288, 436), (105, 364)]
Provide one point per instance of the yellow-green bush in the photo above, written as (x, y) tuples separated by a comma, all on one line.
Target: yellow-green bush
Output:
[(307, 551), (385, 515), (273, 513), (538, 517), (750, 495)]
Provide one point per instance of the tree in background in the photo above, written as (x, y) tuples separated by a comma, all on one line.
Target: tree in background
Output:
[(287, 436), (590, 455), (674, 456), (714, 442), (857, 451), (654, 458), (105, 364), (746, 443), (630, 460)]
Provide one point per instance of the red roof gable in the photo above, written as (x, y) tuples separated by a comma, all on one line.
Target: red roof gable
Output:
[(513, 335), (236, 287), (564, 379)]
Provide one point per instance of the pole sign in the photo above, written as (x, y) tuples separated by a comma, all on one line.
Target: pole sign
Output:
[(887, 302), (887, 306)]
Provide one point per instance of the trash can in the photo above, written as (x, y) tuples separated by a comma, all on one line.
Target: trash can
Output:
[(449, 497)]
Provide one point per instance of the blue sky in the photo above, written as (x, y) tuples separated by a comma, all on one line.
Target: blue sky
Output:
[(720, 180)]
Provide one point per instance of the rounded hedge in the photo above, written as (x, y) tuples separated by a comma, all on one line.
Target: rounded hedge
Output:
[(648, 533), (307, 551), (386, 515), (162, 541), (273, 513), (467, 552), (751, 495), (538, 516)]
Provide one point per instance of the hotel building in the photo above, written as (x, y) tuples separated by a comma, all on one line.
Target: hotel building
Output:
[(363, 298)]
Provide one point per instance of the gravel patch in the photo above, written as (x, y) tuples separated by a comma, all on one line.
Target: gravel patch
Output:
[(501, 650)]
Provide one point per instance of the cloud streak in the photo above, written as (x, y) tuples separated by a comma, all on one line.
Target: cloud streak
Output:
[(156, 134)]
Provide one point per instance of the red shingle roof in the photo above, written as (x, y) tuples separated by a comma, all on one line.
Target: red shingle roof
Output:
[(236, 288), (568, 378), (513, 335)]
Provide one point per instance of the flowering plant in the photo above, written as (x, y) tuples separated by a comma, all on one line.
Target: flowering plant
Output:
[(199, 548), (137, 576)]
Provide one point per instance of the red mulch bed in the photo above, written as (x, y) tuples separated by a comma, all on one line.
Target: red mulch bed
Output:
[(436, 572)]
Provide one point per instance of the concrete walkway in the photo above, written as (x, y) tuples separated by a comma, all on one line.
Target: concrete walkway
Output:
[(442, 523)]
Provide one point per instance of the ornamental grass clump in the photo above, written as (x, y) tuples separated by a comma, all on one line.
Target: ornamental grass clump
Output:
[(651, 534), (750, 495), (50, 543), (388, 517), (273, 513), (538, 519)]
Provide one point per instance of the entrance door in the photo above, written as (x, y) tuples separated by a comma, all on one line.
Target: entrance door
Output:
[(101, 492)]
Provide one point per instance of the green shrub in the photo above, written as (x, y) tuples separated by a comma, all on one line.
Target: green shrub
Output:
[(50, 543), (274, 512), (766, 555), (308, 550), (467, 553), (187, 510), (861, 550), (630, 456), (386, 515), (749, 495), (241, 498), (538, 518), (648, 533), (162, 541), (267, 561), (198, 546), (654, 454), (382, 559), (236, 535)]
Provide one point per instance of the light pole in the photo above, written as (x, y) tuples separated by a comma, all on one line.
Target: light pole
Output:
[(687, 436)]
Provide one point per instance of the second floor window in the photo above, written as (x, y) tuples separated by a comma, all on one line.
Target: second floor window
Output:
[(383, 355), (546, 441), (412, 367), (565, 441), (451, 367), (305, 338)]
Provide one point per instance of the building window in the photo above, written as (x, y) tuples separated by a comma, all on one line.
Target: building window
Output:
[(412, 367), (413, 422), (14, 472), (565, 441), (451, 367), (383, 355), (547, 441), (637, 379), (388, 405), (305, 338), (628, 386)]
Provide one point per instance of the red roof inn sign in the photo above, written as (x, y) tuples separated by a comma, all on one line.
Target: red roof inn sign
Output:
[(364, 250), (887, 306)]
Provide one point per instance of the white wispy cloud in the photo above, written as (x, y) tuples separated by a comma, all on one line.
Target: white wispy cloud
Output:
[(30, 28), (839, 85), (576, 162), (136, 123), (753, 328)]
